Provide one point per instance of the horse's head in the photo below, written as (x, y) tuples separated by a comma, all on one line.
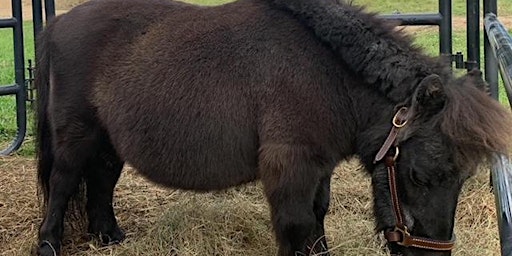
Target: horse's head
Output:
[(433, 145)]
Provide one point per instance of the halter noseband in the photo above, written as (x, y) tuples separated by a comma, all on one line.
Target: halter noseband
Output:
[(400, 233)]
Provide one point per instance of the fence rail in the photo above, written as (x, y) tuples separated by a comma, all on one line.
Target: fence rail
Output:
[(18, 89), (501, 45)]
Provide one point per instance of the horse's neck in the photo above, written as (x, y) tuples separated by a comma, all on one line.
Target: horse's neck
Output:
[(373, 117), (384, 59)]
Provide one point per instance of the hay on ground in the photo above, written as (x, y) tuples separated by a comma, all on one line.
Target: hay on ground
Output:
[(161, 221)]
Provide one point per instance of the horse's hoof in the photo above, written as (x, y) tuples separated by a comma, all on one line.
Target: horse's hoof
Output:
[(46, 249), (115, 237)]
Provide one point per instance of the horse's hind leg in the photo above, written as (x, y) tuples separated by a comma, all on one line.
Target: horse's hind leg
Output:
[(101, 178), (292, 175), (71, 152)]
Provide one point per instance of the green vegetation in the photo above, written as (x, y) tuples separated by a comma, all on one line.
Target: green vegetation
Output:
[(427, 39), (8, 126), (408, 6), (7, 52), (402, 6)]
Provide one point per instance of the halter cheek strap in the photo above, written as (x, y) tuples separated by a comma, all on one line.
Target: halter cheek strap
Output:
[(399, 120), (400, 233)]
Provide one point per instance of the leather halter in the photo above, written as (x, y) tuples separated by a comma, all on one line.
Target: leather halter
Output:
[(400, 234)]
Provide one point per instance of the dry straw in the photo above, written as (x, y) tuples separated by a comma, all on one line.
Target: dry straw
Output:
[(161, 221)]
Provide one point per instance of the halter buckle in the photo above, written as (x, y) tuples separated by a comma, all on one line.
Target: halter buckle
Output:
[(404, 234)]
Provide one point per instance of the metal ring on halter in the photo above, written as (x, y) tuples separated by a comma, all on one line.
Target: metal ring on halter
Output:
[(395, 118), (397, 152)]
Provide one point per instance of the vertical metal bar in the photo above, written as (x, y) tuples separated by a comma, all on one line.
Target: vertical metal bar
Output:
[(37, 17), (49, 8), (501, 44), (19, 74), (30, 82), (491, 64), (473, 34), (502, 185), (490, 61), (445, 28)]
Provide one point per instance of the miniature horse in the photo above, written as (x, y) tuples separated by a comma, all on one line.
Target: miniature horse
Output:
[(206, 98)]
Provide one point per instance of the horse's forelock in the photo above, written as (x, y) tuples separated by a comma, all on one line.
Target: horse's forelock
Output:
[(477, 125)]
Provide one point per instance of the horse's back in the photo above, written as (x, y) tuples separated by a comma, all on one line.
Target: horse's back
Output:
[(183, 89)]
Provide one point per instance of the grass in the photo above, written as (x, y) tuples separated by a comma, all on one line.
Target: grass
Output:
[(6, 51), (408, 6), (430, 43), (403, 6), (8, 126), (383, 6)]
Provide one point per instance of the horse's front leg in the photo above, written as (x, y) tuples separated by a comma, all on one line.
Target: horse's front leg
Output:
[(320, 208), (293, 178)]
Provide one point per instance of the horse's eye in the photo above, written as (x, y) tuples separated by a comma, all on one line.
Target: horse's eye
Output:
[(417, 179)]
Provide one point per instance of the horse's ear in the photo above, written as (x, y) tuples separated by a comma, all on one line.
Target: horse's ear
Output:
[(429, 95), (476, 73), (476, 79)]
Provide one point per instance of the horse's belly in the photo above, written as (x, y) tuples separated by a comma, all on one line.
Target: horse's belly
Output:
[(197, 155), (205, 179)]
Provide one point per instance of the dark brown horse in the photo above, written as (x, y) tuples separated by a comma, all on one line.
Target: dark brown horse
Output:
[(205, 98)]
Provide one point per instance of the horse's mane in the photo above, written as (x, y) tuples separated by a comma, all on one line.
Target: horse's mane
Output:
[(387, 60), (370, 46), (477, 125)]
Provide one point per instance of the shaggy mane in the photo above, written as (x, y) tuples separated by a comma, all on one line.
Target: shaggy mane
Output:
[(384, 57), (477, 125)]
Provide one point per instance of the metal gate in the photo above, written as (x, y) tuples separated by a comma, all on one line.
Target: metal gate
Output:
[(21, 82), (37, 13), (443, 19), (18, 88), (499, 49)]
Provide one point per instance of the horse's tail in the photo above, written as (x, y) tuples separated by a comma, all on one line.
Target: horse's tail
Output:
[(44, 147), (44, 136)]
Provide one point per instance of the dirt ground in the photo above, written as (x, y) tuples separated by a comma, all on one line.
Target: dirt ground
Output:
[(6, 9)]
